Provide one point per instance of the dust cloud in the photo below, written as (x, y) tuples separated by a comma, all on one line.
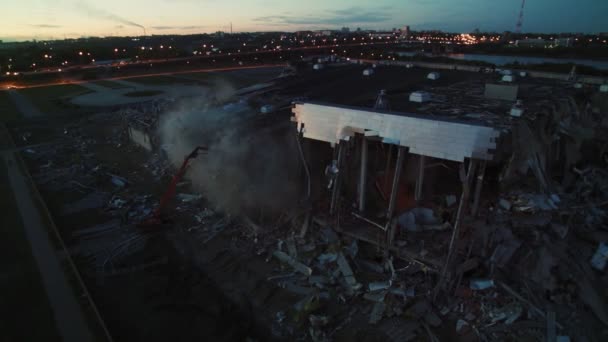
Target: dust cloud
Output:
[(248, 169)]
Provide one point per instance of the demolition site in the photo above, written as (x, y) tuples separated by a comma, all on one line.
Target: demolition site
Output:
[(332, 200)]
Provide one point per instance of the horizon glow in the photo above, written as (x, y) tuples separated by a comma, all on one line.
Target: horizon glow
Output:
[(58, 19)]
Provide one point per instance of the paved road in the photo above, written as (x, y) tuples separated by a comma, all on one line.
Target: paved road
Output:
[(24, 105), (69, 318), (94, 87), (128, 83)]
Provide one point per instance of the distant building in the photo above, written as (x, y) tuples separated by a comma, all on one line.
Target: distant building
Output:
[(381, 35), (345, 29), (531, 43), (323, 33), (563, 42), (405, 32)]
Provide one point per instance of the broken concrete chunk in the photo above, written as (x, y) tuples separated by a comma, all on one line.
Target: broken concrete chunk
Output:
[(353, 249), (370, 266), (189, 197), (377, 313), (296, 289), (450, 200), (119, 181), (509, 313), (377, 296), (481, 284), (560, 229), (345, 269), (460, 326), (503, 203), (298, 266), (291, 248), (329, 236), (93, 200), (318, 320), (420, 308), (467, 266), (469, 316), (403, 292), (419, 219), (432, 319), (327, 258), (599, 259), (318, 280), (379, 285)]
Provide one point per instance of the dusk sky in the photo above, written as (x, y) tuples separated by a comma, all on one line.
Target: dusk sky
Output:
[(45, 19)]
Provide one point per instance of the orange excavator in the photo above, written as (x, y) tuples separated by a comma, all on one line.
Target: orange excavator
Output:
[(156, 219)]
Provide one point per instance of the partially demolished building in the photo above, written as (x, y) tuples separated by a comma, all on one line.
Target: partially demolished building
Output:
[(444, 219)]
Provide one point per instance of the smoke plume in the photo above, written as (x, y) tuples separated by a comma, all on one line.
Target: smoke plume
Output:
[(94, 12), (248, 169)]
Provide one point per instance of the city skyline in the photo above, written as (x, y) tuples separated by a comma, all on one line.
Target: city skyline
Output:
[(44, 19)]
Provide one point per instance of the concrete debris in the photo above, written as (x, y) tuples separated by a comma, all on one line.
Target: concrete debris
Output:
[(503, 203), (93, 200), (347, 272), (379, 285), (461, 325), (481, 284), (377, 296), (506, 246), (508, 313), (404, 293), (432, 319), (377, 313), (352, 249), (298, 266), (189, 197), (327, 258), (560, 230), (370, 266), (118, 181), (599, 259), (450, 200), (419, 219)]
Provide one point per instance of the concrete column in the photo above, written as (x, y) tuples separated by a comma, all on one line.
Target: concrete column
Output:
[(420, 179), (335, 192), (464, 199), (363, 175), (477, 195), (398, 167), (389, 157)]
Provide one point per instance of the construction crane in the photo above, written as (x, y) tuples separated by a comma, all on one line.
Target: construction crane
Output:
[(156, 219), (520, 20)]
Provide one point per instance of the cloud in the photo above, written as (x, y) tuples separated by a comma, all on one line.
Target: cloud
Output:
[(333, 17), (45, 26), (92, 11)]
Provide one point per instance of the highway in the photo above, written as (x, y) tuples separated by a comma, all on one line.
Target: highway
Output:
[(147, 75), (184, 59)]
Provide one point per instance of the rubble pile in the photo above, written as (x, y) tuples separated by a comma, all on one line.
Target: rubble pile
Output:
[(528, 262)]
